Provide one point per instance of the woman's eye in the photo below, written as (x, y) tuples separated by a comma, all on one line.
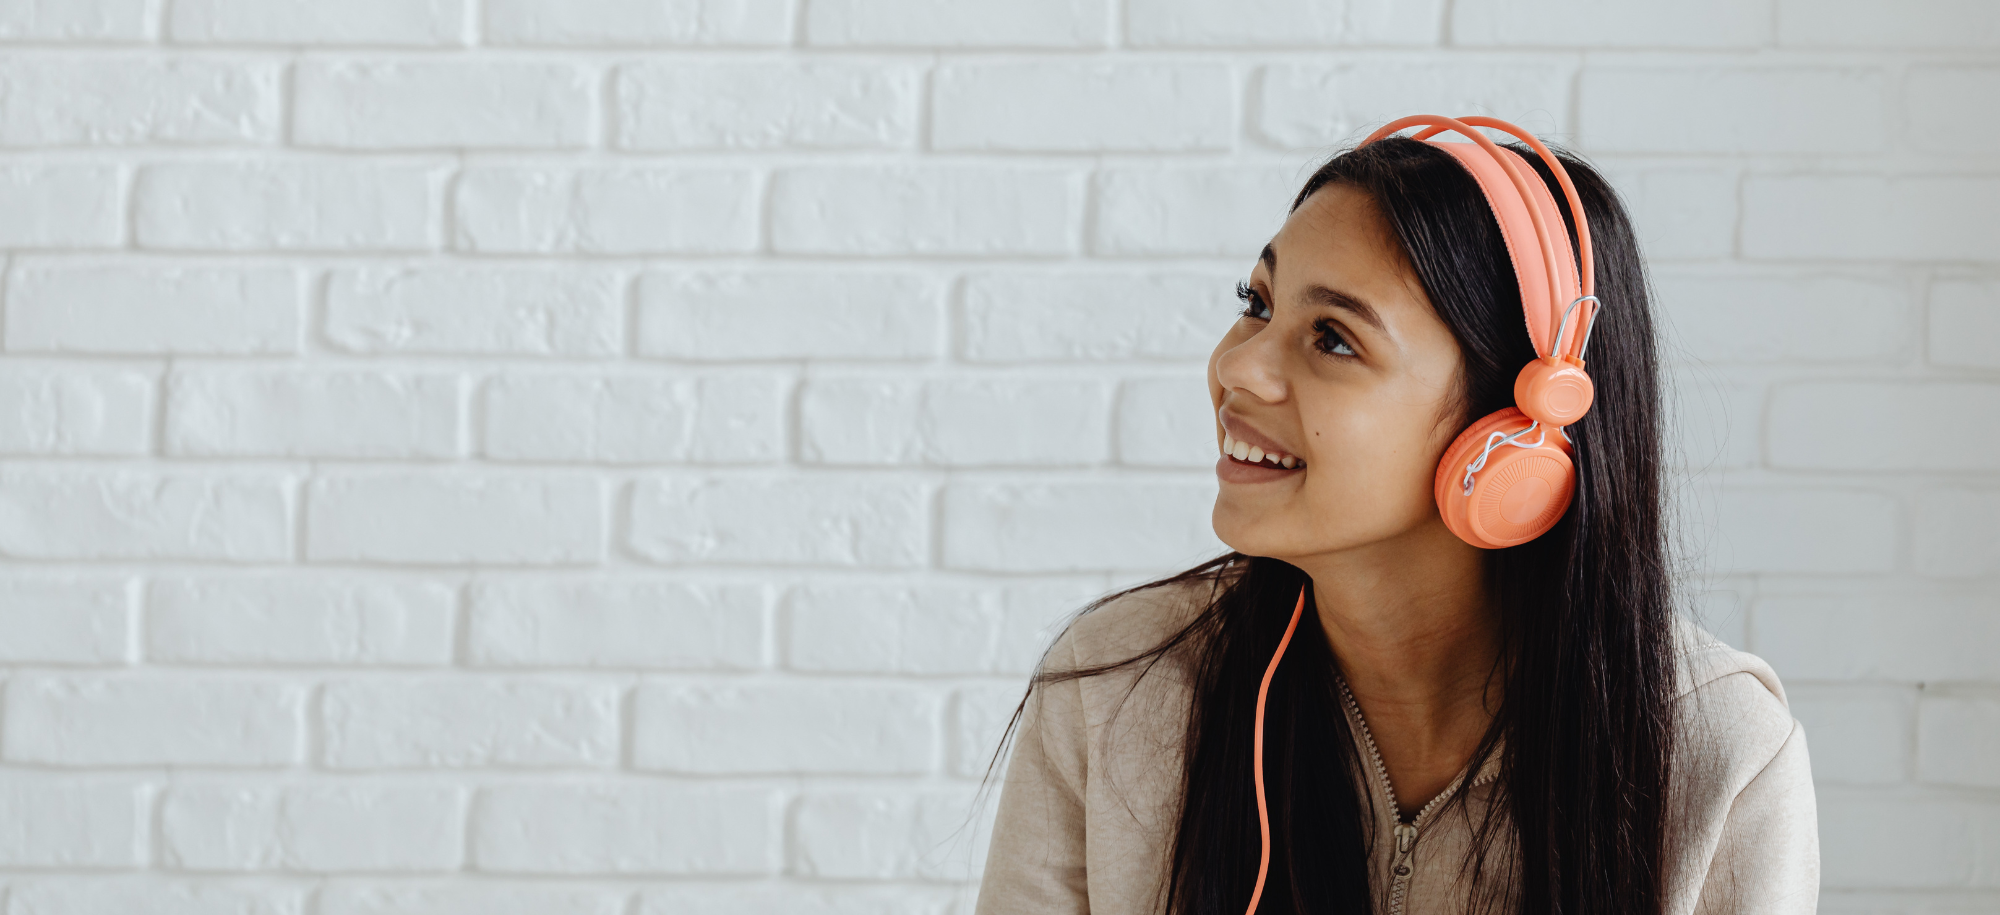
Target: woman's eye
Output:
[(1253, 304), (1330, 340)]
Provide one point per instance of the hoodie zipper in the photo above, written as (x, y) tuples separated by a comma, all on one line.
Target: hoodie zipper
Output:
[(1406, 833)]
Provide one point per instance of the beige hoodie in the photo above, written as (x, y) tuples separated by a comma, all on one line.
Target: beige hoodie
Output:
[(1088, 808)]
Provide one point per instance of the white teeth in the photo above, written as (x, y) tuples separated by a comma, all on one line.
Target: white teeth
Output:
[(1244, 451)]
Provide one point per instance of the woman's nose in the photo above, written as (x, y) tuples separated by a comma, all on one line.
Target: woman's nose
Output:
[(1255, 366)]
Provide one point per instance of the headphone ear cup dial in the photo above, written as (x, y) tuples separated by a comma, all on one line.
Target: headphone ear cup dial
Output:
[(1517, 496), (1554, 392)]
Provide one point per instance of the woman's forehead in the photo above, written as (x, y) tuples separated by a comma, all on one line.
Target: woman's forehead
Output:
[(1338, 237)]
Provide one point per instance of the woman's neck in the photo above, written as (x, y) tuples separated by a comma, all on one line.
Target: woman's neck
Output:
[(1417, 640)]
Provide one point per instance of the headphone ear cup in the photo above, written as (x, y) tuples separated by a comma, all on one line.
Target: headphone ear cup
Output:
[(1517, 496)]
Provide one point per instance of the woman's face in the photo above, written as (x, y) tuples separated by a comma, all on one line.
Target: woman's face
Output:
[(1340, 364)]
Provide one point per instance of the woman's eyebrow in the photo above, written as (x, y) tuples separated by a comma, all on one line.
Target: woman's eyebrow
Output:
[(1325, 297), (1334, 298)]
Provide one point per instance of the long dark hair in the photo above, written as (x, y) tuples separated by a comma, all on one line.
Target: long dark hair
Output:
[(1583, 733)]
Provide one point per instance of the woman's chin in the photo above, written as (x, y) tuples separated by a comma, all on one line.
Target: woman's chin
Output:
[(1249, 531)]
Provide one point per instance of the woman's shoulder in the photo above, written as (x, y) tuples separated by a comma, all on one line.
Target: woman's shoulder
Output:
[(1136, 620), (1730, 708)]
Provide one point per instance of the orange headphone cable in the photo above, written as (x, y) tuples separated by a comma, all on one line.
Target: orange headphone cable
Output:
[(1257, 754)]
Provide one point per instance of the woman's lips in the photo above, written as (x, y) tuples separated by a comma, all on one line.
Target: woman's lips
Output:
[(1245, 463), (1244, 451), (1250, 456), (1231, 470)]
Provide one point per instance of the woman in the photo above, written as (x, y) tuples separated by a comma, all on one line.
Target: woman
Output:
[(1446, 727)]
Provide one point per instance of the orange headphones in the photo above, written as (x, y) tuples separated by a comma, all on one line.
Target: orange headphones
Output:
[(1494, 488)]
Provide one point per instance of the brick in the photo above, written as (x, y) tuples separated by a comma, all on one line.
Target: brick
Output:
[(955, 421), (985, 628), (136, 721), (114, 309), (1964, 319), (1545, 23), (1862, 24), (915, 23), (289, 412), (886, 836), (1888, 633), (459, 722), (115, 101), (735, 417), (689, 210), (1679, 213), (638, 22), (975, 720), (121, 514), (361, 104), (1094, 317), (59, 206), (1191, 210), (1291, 23), (624, 828), (1889, 842), (511, 311), (1807, 531), (925, 210), (1957, 533), (644, 624), (717, 105), (1791, 109), (48, 619), (75, 411), (1912, 426), (155, 895), (546, 519), (1716, 417), (288, 206), (62, 820), (1871, 218), (1327, 106), (808, 520), (1166, 422), (1933, 118), (697, 315), (298, 619), (1083, 107), (464, 897), (313, 828), (290, 22), (1071, 527), (76, 20), (786, 727), (1770, 318), (1958, 736), (799, 899), (1860, 735)]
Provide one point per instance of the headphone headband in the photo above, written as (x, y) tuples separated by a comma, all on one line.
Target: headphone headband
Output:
[(1558, 283)]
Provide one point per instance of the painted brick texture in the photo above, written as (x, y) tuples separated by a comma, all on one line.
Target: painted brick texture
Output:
[(622, 457)]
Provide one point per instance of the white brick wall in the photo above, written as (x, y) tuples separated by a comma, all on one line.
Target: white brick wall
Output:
[(619, 456)]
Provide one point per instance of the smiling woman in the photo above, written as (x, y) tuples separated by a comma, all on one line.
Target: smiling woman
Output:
[(1459, 724)]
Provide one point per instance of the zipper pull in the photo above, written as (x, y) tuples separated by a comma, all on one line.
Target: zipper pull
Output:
[(1406, 836)]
